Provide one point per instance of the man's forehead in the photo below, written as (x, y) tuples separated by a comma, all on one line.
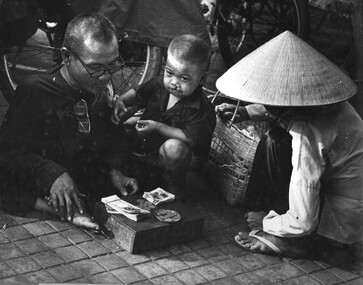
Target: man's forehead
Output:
[(93, 46)]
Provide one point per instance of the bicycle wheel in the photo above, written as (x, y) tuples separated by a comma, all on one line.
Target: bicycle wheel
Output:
[(245, 25), (37, 56)]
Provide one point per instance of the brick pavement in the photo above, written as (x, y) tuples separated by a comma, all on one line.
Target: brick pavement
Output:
[(39, 248)]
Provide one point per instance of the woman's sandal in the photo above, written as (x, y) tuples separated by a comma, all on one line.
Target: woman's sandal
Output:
[(289, 247)]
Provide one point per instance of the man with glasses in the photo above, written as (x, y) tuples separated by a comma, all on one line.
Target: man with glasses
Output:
[(57, 143)]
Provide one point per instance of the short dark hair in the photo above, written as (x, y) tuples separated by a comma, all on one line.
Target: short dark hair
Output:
[(95, 26), (191, 48)]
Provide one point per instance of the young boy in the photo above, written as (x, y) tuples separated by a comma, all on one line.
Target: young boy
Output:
[(177, 125)]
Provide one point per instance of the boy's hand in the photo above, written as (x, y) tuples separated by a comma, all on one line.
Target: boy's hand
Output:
[(144, 127), (121, 113)]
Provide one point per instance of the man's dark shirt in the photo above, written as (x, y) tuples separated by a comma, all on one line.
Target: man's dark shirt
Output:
[(194, 115), (39, 139)]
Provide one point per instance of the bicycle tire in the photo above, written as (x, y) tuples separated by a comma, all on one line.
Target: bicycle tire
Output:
[(264, 20), (36, 56)]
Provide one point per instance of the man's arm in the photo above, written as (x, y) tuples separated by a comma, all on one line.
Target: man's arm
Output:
[(124, 107), (308, 166)]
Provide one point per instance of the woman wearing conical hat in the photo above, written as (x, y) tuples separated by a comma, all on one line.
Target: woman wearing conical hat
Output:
[(307, 179)]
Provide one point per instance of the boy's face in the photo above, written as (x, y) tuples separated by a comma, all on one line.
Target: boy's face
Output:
[(181, 77)]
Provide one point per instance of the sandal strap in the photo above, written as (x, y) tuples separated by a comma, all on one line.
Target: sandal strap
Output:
[(265, 241)]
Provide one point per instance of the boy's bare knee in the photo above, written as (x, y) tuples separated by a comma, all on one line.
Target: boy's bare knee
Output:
[(174, 149)]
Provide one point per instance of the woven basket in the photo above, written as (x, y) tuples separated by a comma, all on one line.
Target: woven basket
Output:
[(231, 158)]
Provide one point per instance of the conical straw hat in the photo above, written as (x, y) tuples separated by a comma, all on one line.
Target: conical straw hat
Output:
[(286, 71)]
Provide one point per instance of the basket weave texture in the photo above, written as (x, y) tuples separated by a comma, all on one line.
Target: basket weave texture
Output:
[(231, 157)]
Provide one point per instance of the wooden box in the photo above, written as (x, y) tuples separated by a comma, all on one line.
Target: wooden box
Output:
[(151, 233)]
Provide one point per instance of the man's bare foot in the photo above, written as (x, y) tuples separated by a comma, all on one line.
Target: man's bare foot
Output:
[(254, 219), (80, 220)]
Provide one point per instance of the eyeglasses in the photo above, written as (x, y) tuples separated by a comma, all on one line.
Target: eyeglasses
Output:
[(99, 73), (80, 109)]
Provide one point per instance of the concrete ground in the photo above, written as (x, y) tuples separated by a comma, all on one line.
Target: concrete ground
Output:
[(39, 248)]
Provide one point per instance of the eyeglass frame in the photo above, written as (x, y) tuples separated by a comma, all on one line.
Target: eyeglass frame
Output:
[(86, 117), (91, 73)]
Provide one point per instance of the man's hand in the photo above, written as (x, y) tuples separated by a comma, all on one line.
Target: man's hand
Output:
[(63, 193), (121, 113), (126, 185), (145, 127)]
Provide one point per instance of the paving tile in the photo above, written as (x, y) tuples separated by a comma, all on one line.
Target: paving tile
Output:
[(356, 281), (231, 250), (212, 254), (210, 272), (111, 261), (301, 280), (23, 265), (54, 240), (93, 248), (343, 274), (132, 258), (6, 271), (88, 267), (17, 233), (82, 280), (269, 275), (13, 280), (198, 244), (64, 273), (217, 238), (190, 277), (167, 279), (250, 262), (47, 259), (60, 226), (230, 266), (6, 219), (144, 282), (39, 277), (308, 266), (326, 277), (171, 264), (249, 278), (104, 278), (150, 269), (269, 259), (287, 270), (70, 253), (77, 235), (31, 246), (157, 253), (128, 275), (3, 238), (192, 259), (24, 220), (111, 245), (225, 281), (178, 248), (39, 228), (9, 251)]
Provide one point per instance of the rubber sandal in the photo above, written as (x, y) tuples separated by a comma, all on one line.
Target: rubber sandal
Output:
[(265, 241)]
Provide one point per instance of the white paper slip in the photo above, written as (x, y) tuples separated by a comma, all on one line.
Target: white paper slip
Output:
[(158, 196)]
